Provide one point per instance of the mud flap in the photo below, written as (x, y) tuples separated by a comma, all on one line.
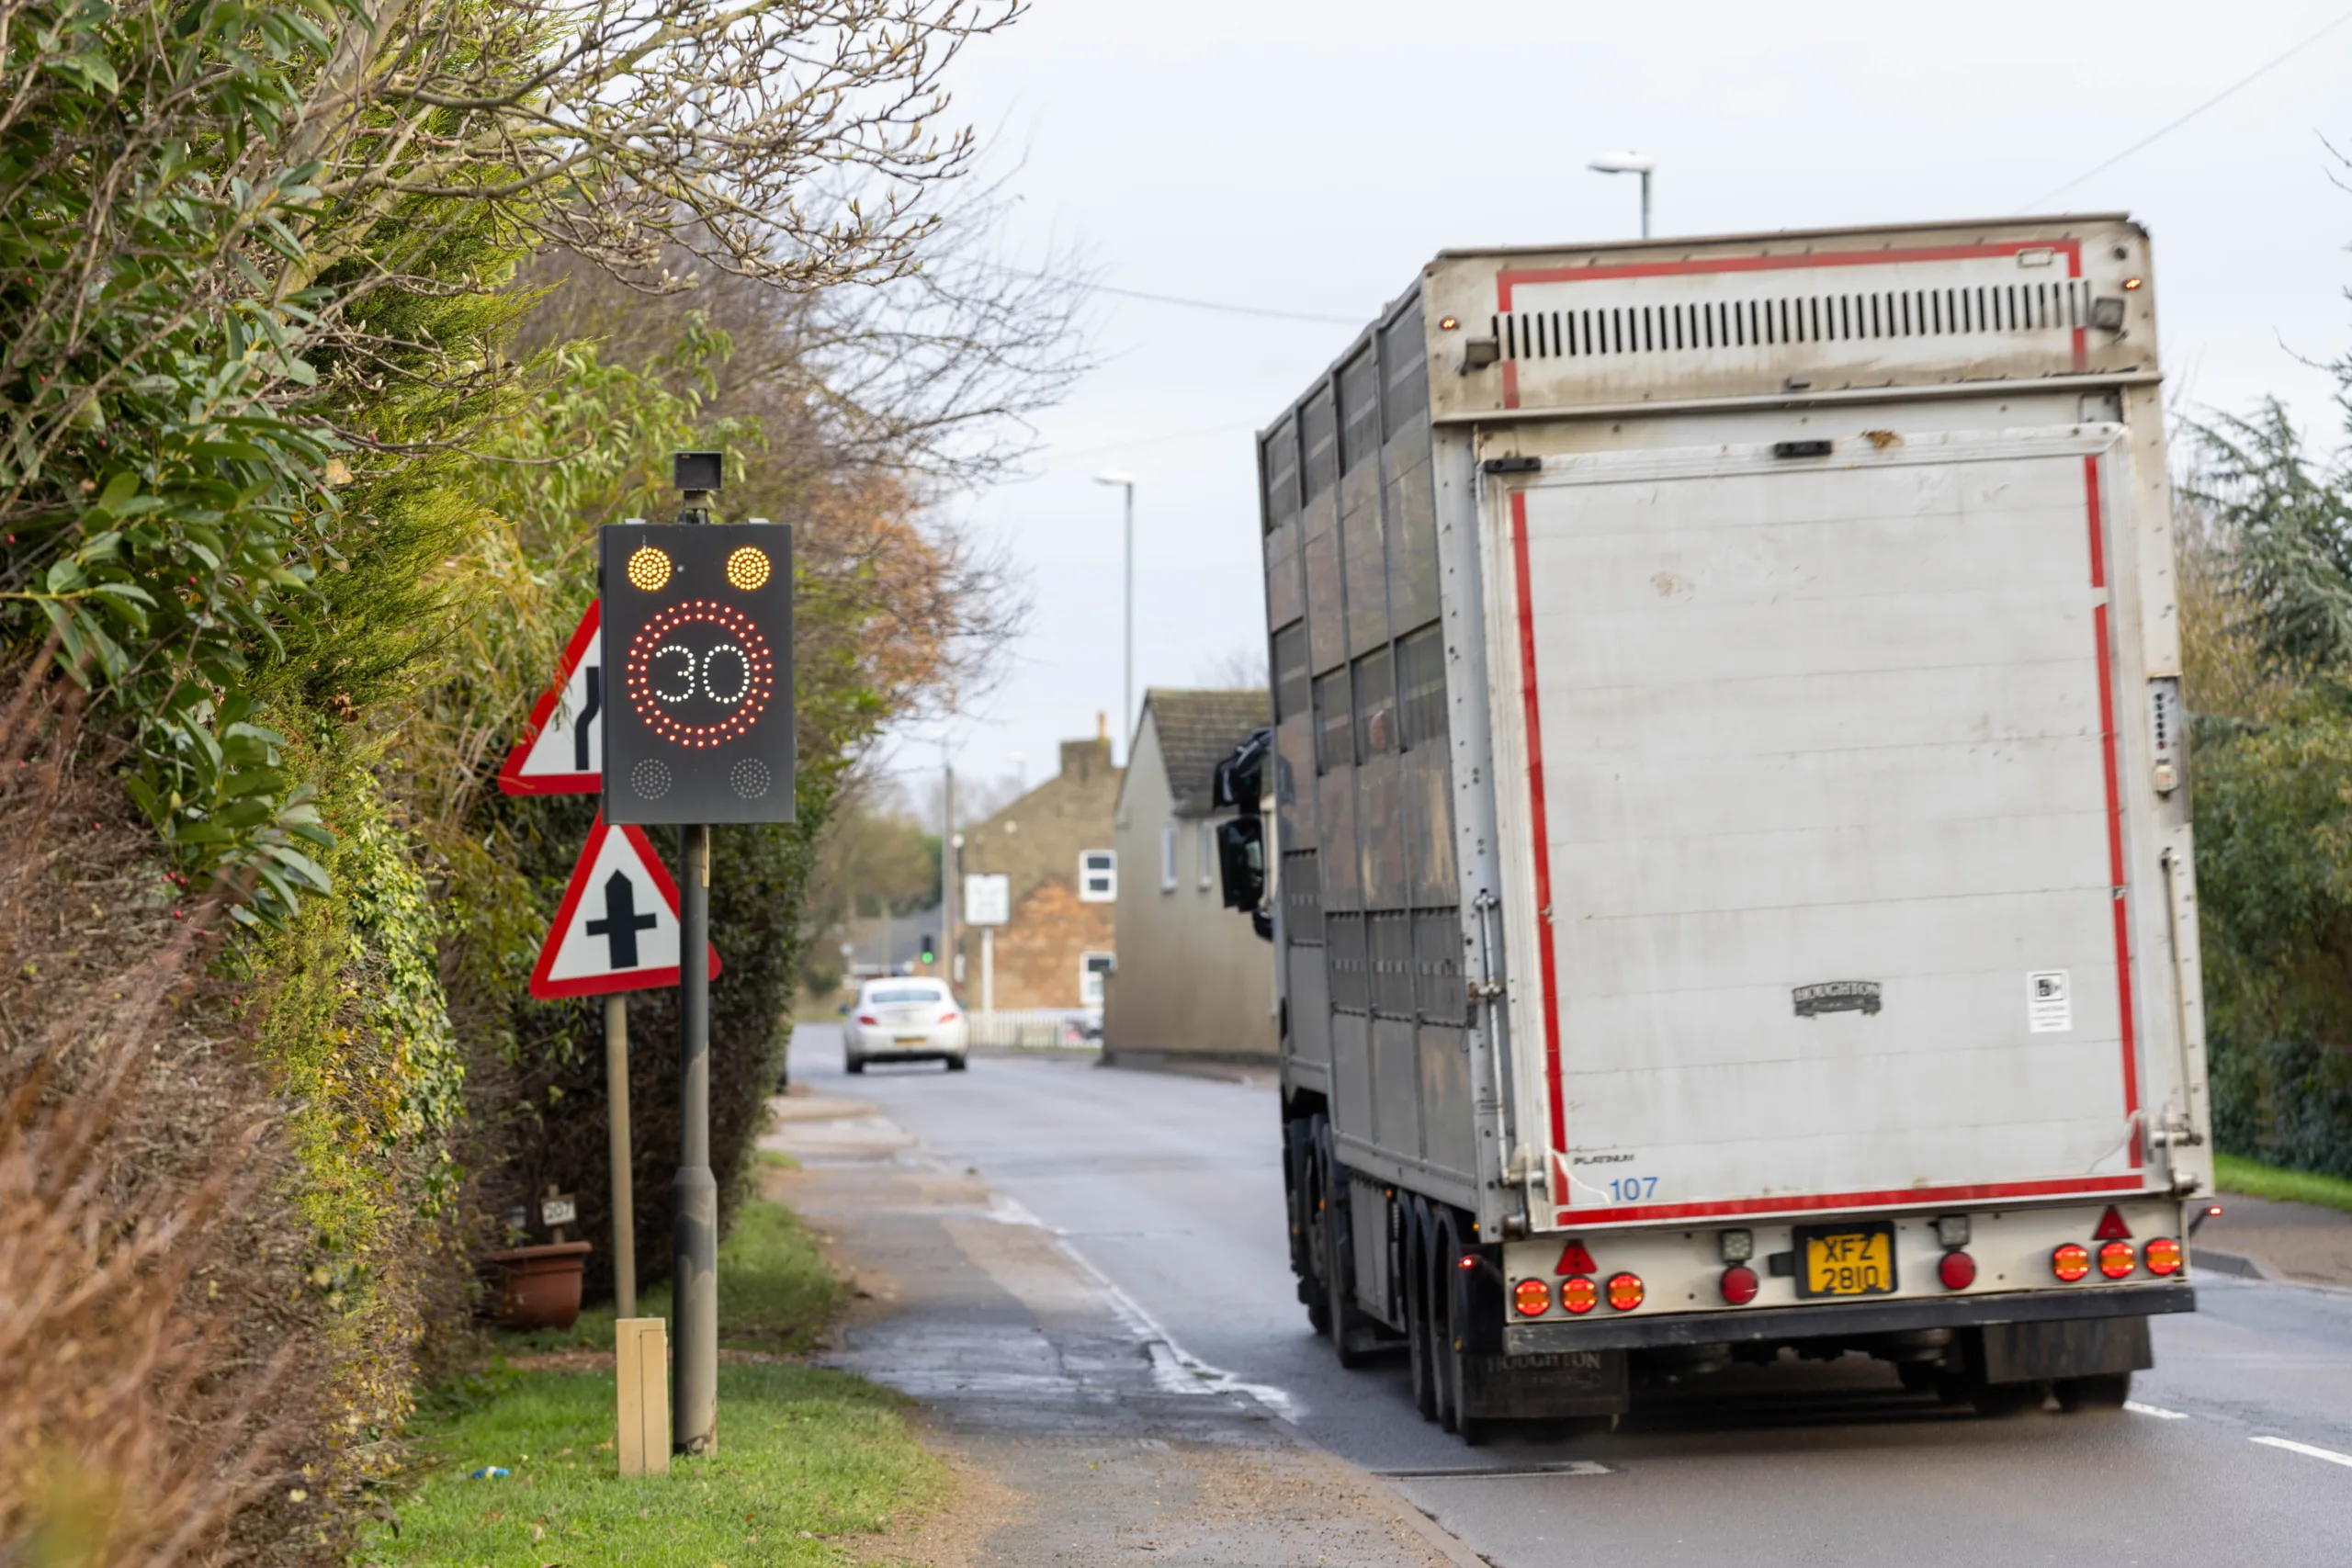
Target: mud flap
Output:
[(2037, 1352), (1549, 1383)]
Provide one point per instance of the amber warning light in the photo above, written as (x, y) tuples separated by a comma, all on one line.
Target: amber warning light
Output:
[(697, 635)]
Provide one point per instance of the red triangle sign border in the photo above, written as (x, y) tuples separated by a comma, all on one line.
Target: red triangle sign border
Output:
[(547, 988), (511, 777)]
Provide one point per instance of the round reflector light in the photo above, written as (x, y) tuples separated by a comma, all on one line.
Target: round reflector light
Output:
[(1624, 1291), (1739, 1284), (2162, 1256), (1532, 1297), (1579, 1295), (2071, 1262), (1957, 1271), (2118, 1259)]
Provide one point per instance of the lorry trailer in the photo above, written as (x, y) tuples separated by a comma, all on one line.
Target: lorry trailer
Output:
[(1727, 834)]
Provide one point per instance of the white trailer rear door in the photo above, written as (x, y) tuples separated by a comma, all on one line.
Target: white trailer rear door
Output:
[(1823, 847)]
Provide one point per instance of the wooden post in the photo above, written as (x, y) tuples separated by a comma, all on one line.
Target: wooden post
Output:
[(616, 1101), (641, 1356)]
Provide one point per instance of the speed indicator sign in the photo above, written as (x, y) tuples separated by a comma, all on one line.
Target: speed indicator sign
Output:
[(697, 642)]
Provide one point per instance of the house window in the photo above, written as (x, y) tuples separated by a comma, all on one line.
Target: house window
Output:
[(1168, 857), (1091, 967), (1098, 876), (1208, 856)]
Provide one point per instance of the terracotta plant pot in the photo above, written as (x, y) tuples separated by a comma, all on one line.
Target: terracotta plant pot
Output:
[(533, 1287)]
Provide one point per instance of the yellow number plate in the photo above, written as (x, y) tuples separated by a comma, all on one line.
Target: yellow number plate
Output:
[(1849, 1260)]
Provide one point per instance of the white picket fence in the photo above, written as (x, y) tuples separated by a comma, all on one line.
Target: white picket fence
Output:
[(1037, 1028)]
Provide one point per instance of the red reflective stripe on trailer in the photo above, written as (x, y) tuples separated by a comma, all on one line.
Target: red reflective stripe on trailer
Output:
[(2082, 336), (1892, 1198), (1510, 383), (1545, 963), (2117, 879)]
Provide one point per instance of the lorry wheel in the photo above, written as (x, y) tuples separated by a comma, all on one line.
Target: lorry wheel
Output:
[(1417, 1318), (2104, 1391), (1455, 1352), (1318, 1292), (1339, 1272)]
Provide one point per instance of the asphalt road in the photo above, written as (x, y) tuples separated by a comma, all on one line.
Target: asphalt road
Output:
[(2238, 1449)]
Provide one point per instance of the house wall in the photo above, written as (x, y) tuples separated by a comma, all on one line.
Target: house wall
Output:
[(1036, 841), (1192, 978)]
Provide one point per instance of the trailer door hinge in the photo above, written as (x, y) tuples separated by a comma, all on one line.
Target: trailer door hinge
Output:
[(1512, 464)]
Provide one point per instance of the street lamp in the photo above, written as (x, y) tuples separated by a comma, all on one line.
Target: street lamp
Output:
[(1128, 666), (1629, 163)]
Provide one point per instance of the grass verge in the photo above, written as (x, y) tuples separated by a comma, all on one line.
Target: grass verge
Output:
[(775, 1292), (2233, 1174), (808, 1460)]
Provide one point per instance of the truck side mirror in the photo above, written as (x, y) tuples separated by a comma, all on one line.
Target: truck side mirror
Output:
[(1242, 861)]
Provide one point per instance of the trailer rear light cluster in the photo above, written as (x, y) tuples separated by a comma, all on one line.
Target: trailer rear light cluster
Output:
[(1739, 1285), (1956, 1269), (1578, 1296), (1625, 1291), (1532, 1297), (2162, 1256), (2071, 1262), (2118, 1259)]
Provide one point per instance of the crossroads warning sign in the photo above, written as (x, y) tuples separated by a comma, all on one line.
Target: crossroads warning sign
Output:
[(618, 926), (563, 750)]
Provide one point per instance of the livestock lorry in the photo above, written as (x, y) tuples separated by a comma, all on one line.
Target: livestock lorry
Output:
[(1727, 819)]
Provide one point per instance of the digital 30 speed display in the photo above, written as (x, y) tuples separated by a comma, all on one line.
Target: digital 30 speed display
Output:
[(698, 639)]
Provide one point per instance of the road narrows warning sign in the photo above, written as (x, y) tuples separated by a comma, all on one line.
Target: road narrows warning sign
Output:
[(616, 929), (563, 750)]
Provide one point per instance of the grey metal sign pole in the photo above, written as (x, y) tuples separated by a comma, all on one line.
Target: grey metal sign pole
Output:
[(694, 1426)]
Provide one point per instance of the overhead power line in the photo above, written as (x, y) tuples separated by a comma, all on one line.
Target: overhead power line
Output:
[(1229, 310), (2245, 81)]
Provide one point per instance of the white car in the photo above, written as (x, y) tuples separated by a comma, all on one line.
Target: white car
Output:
[(906, 1020)]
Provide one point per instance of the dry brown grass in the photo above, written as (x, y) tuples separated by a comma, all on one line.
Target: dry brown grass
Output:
[(139, 1391)]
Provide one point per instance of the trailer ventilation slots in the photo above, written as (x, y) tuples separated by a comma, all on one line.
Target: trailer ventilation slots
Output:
[(1769, 320)]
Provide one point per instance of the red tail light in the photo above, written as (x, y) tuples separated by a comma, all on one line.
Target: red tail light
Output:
[(2118, 1259), (2071, 1262), (1738, 1285), (948, 1017), (1532, 1297), (1957, 1271), (1579, 1295), (2162, 1256), (1625, 1291), (867, 1017)]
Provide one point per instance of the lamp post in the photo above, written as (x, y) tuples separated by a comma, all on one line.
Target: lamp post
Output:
[(1629, 163), (1128, 663)]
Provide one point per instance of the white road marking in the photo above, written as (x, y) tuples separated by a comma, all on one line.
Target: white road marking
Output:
[(1466, 1473), (2137, 1408), (1174, 1369), (2307, 1450)]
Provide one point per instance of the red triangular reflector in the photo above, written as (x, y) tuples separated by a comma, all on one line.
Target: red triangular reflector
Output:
[(2111, 1227), (1575, 1259)]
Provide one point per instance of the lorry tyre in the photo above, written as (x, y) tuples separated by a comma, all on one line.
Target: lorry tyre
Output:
[(1312, 1202), (2102, 1391), (1418, 1331), (1454, 1347), (1338, 1259)]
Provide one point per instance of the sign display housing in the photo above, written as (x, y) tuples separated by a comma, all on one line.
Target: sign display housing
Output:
[(698, 652)]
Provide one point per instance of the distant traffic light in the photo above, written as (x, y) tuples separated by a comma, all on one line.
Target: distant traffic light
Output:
[(930, 952)]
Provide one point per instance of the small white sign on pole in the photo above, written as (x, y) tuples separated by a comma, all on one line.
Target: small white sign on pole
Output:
[(988, 899)]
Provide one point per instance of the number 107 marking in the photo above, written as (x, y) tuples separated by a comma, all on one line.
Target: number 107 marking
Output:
[(1632, 1189)]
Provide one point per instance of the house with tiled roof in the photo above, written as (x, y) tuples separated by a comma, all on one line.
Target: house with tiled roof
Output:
[(1192, 980)]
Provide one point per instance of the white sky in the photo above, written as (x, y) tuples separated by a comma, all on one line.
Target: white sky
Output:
[(1310, 154)]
